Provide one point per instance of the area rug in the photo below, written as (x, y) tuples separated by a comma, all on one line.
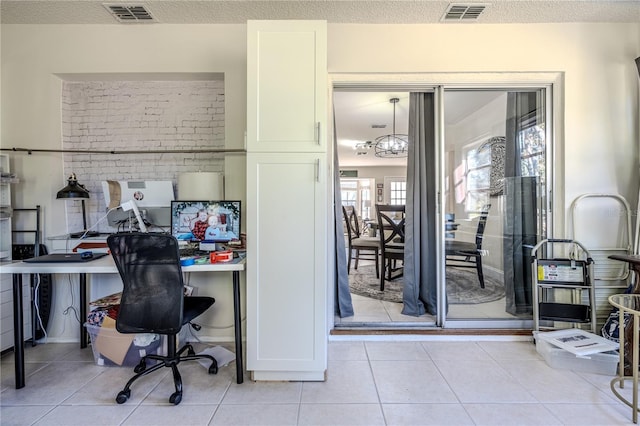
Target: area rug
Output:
[(462, 286)]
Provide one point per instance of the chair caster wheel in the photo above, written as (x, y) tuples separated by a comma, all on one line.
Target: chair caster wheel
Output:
[(213, 369), (123, 396), (175, 398), (140, 367)]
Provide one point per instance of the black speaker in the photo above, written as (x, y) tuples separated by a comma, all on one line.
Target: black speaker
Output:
[(44, 286)]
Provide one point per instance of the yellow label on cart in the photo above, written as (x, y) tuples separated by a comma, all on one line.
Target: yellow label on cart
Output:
[(540, 273)]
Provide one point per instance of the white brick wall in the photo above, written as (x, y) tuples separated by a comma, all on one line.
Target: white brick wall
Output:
[(137, 115)]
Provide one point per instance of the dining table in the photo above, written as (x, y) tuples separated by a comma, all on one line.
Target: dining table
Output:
[(372, 228)]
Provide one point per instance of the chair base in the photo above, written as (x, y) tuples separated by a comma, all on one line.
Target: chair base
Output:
[(172, 360)]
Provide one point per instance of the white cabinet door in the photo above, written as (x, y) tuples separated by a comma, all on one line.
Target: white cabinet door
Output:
[(286, 86), (6, 309), (286, 266)]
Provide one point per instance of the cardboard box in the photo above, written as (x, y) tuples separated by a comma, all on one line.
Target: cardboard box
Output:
[(111, 348), (111, 344)]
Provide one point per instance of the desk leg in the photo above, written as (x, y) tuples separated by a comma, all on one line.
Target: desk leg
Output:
[(83, 310), (18, 331), (34, 319), (238, 326)]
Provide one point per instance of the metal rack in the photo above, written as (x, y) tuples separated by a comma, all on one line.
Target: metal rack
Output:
[(602, 222), (571, 276), (615, 210), (41, 285)]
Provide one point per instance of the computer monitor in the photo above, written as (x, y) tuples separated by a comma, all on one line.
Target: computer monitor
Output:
[(153, 198), (198, 221)]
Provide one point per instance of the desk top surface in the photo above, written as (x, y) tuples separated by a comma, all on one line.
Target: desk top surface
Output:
[(105, 265), (631, 258)]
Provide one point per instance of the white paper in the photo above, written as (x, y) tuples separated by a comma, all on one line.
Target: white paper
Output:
[(578, 341), (222, 355)]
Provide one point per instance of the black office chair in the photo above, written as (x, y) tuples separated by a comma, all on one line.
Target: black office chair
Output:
[(464, 254), (391, 233), (153, 302), (360, 247)]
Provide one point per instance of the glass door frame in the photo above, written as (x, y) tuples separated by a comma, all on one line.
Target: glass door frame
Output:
[(437, 82), (552, 217)]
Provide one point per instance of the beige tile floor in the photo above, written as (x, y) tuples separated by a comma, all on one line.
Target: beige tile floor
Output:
[(368, 383)]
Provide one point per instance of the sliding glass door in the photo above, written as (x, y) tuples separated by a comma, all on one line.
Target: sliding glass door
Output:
[(495, 155), (488, 185)]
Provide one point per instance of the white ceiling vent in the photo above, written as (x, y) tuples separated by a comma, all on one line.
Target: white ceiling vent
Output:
[(129, 13), (461, 12)]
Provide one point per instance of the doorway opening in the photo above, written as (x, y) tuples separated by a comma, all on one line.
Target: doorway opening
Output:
[(491, 141)]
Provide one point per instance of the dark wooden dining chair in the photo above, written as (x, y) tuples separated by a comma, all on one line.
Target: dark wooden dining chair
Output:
[(463, 254), (360, 247), (391, 234)]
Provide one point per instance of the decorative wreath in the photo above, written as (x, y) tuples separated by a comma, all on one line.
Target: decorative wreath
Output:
[(496, 178)]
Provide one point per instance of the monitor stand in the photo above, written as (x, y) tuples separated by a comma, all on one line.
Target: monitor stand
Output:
[(208, 246)]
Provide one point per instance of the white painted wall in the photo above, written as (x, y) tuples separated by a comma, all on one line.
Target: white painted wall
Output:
[(599, 124), (36, 59)]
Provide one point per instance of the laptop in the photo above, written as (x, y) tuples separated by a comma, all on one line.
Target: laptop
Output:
[(65, 258)]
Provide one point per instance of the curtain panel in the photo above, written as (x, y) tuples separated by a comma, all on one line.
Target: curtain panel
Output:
[(520, 198), (420, 263), (343, 304)]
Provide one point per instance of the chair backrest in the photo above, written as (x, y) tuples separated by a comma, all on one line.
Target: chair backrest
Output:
[(345, 217), (153, 288), (390, 224), (482, 221), (353, 226)]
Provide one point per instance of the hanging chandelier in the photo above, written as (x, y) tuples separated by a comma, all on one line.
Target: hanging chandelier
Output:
[(393, 145)]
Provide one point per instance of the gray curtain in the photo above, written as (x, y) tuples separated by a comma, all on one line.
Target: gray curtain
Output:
[(520, 206), (343, 305), (420, 279)]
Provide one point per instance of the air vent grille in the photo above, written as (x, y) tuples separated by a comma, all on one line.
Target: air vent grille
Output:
[(463, 12), (129, 13)]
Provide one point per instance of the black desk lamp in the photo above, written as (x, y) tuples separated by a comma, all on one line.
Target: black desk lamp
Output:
[(76, 190)]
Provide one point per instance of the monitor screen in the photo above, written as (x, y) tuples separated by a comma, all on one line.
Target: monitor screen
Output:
[(216, 221)]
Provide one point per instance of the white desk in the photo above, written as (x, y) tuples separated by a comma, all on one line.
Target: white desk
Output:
[(105, 265)]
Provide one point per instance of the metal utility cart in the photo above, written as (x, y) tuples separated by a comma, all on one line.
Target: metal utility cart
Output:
[(555, 277)]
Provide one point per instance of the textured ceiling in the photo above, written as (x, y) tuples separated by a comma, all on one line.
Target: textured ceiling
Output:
[(338, 11)]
